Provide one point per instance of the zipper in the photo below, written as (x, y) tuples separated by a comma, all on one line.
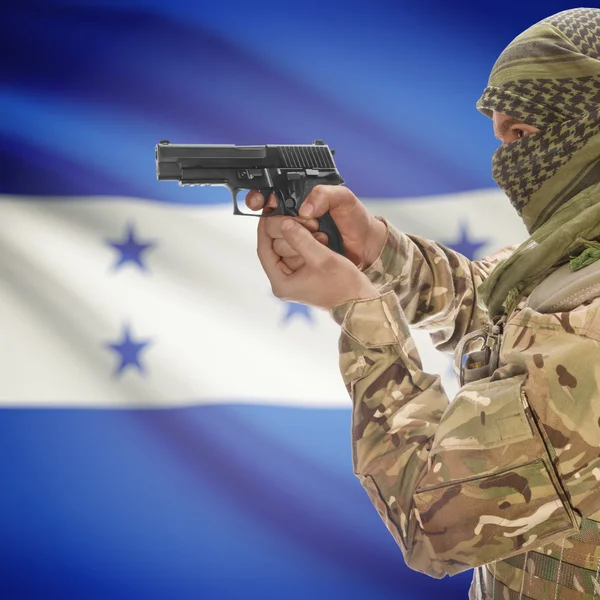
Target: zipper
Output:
[(533, 423)]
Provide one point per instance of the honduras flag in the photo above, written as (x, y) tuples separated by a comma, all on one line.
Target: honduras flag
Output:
[(168, 428)]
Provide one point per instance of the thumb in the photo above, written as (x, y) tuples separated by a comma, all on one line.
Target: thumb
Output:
[(302, 241), (327, 198)]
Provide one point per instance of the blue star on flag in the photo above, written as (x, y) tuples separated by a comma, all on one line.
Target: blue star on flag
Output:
[(130, 249), (466, 246), (128, 351), (293, 309)]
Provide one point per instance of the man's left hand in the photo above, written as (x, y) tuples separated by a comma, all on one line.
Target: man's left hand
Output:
[(326, 279)]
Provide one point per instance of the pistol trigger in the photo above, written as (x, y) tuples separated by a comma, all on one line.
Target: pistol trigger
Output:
[(265, 194), (269, 210), (280, 210)]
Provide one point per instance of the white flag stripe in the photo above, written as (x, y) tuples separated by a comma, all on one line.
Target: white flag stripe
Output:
[(215, 331)]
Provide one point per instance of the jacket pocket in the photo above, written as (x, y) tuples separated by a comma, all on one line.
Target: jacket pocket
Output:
[(490, 490), (484, 414), (474, 521)]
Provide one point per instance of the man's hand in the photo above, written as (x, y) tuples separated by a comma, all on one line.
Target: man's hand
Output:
[(325, 278), (363, 235)]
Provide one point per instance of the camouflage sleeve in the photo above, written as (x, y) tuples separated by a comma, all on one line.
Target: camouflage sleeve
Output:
[(457, 484), (435, 285)]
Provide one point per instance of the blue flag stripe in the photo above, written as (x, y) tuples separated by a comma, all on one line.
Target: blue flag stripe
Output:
[(226, 456)]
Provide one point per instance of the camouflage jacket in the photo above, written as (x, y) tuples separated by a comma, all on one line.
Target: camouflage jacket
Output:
[(512, 462)]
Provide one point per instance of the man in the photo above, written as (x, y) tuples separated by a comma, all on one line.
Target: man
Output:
[(503, 479)]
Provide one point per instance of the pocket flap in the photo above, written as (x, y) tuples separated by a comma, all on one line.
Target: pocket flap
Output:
[(473, 522), (484, 414)]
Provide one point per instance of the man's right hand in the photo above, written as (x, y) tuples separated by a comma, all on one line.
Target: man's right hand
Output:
[(363, 236)]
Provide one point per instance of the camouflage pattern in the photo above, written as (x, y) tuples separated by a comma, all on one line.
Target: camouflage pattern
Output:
[(506, 474), (434, 285)]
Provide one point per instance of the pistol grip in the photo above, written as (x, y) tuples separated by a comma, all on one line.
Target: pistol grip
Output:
[(327, 225)]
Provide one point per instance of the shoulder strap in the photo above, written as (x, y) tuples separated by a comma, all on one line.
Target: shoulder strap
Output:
[(564, 289)]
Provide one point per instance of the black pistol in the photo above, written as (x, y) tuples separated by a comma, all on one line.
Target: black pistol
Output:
[(290, 172)]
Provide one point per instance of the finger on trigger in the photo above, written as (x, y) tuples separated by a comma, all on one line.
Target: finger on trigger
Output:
[(254, 200)]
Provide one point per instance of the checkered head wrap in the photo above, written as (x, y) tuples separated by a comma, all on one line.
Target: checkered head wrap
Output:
[(549, 77)]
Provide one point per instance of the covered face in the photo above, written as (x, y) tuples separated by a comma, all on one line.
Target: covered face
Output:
[(549, 77)]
